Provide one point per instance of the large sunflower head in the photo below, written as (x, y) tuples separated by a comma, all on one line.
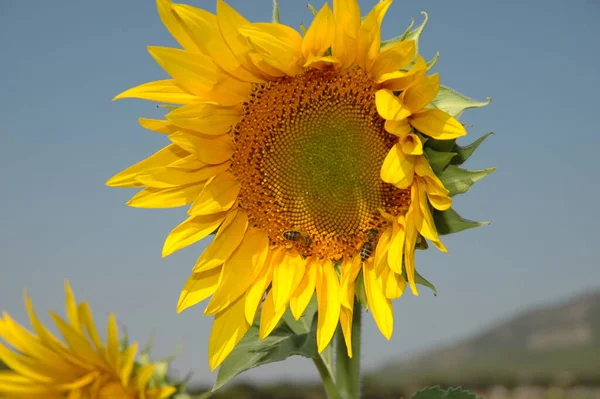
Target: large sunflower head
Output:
[(304, 154), (79, 366)]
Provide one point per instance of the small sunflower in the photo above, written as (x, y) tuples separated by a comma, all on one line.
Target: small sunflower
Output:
[(81, 367), (304, 153)]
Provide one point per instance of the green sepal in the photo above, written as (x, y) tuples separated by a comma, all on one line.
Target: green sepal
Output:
[(275, 12), (459, 181), (313, 10), (289, 338), (423, 281), (400, 38), (434, 60), (169, 107), (359, 289), (449, 221), (438, 159), (437, 393), (303, 29), (464, 153), (454, 103), (421, 243), (416, 33), (439, 145)]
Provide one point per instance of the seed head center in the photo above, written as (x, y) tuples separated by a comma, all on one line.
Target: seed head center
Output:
[(308, 151)]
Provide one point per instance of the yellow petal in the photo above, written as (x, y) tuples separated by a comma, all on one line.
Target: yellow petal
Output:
[(399, 128), (398, 168), (347, 18), (412, 145), (346, 325), (379, 305), (424, 221), (175, 26), (350, 270), (189, 162), (380, 260), (393, 284), (328, 298), (218, 195), (256, 292), (198, 287), (30, 368), (389, 106), (287, 274), (322, 63), (211, 150), (240, 270), (437, 124), (269, 316), (164, 91), (409, 246), (319, 36), (394, 57), (85, 315), (207, 118), (112, 340), (396, 248), (165, 156), (198, 74), (229, 327), (165, 197), (305, 290), (157, 125), (127, 363), (204, 30), (421, 93), (436, 192), (229, 22), (278, 44), (401, 80), (191, 230), (169, 177), (228, 238), (369, 37)]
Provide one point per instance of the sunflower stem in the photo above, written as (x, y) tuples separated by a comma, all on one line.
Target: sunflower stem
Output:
[(348, 369), (323, 363)]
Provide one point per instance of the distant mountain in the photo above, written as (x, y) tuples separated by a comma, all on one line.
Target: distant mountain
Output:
[(560, 342)]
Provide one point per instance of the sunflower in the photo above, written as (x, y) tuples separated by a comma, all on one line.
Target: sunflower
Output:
[(303, 154), (81, 367)]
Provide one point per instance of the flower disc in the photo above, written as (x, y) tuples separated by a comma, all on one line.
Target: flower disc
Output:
[(308, 152)]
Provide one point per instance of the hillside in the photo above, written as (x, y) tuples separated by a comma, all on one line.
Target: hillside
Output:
[(556, 343)]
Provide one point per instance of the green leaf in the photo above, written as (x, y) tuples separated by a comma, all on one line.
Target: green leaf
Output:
[(459, 181), (464, 153), (438, 160), (423, 281), (455, 103), (289, 338), (275, 11), (431, 64), (449, 221), (437, 393)]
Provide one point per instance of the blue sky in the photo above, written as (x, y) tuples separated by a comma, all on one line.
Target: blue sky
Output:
[(62, 137)]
